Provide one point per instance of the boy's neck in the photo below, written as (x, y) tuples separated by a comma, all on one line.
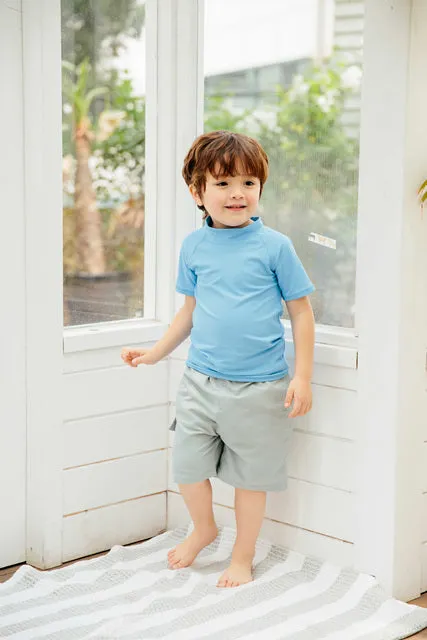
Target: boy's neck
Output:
[(219, 225)]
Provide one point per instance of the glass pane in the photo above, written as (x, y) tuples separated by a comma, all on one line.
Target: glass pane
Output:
[(290, 77), (103, 85)]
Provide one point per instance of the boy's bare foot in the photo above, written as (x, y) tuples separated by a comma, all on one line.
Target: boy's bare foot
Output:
[(185, 553), (239, 572)]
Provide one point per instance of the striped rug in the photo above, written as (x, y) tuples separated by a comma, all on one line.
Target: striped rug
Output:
[(130, 594)]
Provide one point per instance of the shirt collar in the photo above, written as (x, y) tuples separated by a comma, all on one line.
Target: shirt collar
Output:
[(232, 234)]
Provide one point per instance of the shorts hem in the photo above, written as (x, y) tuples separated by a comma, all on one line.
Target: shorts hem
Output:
[(192, 480), (239, 485)]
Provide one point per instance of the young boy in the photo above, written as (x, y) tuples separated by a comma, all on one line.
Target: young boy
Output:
[(234, 401)]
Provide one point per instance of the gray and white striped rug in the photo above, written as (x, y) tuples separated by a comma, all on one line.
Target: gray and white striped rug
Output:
[(130, 594)]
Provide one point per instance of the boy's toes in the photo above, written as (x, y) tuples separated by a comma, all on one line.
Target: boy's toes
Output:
[(235, 576), (224, 582), (171, 555)]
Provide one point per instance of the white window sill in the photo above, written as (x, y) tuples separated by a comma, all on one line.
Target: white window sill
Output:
[(112, 334), (334, 346), (332, 336), (127, 332)]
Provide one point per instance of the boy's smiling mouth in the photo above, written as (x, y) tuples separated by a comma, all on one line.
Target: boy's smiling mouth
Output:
[(236, 206)]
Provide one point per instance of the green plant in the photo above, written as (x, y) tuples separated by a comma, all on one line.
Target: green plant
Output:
[(219, 117), (105, 179), (313, 184), (313, 179), (103, 174), (89, 243), (314, 158), (123, 145)]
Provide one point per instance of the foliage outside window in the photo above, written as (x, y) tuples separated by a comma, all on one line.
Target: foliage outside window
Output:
[(312, 187), (298, 117), (103, 162), (290, 76)]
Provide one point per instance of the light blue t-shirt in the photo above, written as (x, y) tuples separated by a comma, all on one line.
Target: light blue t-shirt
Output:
[(239, 277)]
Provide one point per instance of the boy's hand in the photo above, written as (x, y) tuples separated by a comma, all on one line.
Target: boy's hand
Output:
[(134, 357), (299, 391)]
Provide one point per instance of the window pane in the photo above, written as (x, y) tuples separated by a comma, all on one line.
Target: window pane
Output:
[(103, 84), (289, 75)]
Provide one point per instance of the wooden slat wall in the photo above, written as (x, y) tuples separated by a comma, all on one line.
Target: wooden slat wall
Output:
[(348, 25), (99, 529), (115, 453), (348, 38)]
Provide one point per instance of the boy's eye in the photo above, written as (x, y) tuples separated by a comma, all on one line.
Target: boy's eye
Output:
[(221, 184), (250, 183)]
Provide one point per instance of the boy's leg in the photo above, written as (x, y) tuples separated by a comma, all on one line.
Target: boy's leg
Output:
[(250, 509), (198, 498)]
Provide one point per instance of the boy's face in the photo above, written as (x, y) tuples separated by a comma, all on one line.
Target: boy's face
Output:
[(231, 201)]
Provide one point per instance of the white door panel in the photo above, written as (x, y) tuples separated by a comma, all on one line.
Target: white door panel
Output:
[(12, 287)]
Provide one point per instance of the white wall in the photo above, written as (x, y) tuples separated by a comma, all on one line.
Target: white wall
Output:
[(12, 286), (114, 451)]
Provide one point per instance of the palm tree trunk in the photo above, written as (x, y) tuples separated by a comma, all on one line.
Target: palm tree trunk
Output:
[(90, 246)]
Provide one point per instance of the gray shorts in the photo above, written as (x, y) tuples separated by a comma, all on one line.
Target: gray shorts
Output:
[(236, 431)]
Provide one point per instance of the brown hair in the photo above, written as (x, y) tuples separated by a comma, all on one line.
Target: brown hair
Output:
[(226, 151)]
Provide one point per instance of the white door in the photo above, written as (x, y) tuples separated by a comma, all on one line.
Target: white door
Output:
[(12, 287)]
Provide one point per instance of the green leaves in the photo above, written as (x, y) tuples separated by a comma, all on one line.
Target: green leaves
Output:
[(124, 149), (313, 158), (75, 88)]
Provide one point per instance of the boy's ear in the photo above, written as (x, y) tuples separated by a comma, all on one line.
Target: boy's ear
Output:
[(195, 195)]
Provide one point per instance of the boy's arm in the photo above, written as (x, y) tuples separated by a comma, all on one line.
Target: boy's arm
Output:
[(178, 331), (302, 321)]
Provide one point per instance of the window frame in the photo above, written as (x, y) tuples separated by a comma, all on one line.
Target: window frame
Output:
[(154, 322), (332, 335), (174, 117)]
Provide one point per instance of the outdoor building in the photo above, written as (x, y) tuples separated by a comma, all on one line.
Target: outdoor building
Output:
[(101, 101)]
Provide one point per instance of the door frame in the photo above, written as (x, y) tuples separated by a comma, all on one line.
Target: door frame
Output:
[(12, 283), (42, 119)]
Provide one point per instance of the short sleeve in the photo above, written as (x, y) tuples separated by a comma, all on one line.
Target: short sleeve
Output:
[(291, 276), (186, 280)]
